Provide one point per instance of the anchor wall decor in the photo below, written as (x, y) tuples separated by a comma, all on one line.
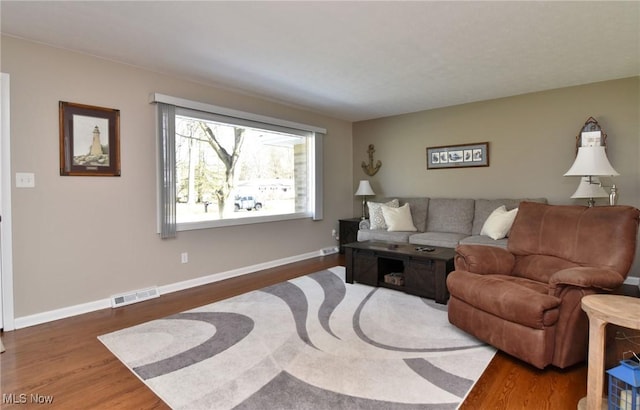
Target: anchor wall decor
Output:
[(369, 168)]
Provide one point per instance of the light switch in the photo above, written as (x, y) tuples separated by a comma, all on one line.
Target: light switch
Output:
[(25, 180)]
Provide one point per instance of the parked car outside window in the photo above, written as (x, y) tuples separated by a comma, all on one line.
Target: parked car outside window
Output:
[(248, 202)]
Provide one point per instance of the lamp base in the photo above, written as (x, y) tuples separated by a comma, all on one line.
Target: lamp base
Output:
[(613, 195)]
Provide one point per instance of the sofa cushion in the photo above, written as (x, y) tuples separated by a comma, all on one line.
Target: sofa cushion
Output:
[(450, 215), (419, 208), (483, 240), (443, 239), (484, 208), (383, 235), (398, 219), (376, 218)]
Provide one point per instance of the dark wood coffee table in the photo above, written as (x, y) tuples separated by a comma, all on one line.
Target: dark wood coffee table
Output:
[(424, 272)]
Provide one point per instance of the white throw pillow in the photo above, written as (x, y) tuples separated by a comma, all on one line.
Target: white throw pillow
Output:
[(498, 224), (376, 219), (398, 219)]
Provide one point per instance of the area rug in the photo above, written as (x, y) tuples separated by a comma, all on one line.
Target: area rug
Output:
[(313, 342)]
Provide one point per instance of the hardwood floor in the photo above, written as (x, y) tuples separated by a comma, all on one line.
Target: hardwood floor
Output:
[(509, 383), (63, 360)]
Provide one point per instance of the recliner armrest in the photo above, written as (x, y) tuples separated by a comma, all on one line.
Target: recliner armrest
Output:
[(484, 259), (586, 277)]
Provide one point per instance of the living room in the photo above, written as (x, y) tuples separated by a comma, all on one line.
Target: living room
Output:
[(78, 240)]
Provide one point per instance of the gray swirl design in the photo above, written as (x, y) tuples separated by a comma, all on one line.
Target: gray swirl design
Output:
[(230, 329), (286, 391), (449, 382), (295, 298), (334, 293), (358, 330)]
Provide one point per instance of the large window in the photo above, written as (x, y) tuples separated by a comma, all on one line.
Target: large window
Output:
[(219, 169)]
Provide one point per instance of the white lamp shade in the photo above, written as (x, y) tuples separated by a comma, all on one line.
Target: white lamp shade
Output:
[(591, 161), (364, 189), (589, 188)]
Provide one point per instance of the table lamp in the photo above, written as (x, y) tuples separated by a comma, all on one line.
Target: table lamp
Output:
[(364, 189), (590, 188), (590, 163)]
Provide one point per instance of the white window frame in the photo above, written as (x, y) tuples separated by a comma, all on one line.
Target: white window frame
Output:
[(315, 208)]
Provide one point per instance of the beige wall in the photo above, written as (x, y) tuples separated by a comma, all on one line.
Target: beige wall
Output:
[(82, 239), (532, 144)]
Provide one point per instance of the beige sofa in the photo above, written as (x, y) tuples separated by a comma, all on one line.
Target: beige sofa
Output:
[(444, 222)]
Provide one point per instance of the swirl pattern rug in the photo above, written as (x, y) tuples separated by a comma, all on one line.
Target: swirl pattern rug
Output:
[(314, 342)]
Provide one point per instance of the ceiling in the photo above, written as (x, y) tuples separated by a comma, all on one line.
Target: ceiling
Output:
[(350, 60)]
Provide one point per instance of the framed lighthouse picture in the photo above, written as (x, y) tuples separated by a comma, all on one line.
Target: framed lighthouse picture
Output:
[(89, 140)]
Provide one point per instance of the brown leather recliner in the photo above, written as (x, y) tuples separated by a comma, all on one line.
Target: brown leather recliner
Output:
[(525, 300)]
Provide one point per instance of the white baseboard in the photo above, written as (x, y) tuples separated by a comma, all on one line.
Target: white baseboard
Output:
[(62, 313), (216, 277), (632, 280)]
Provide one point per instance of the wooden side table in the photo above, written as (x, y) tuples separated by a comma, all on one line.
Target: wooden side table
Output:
[(603, 309), (348, 230)]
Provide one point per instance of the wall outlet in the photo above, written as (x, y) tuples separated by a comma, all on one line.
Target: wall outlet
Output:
[(184, 257)]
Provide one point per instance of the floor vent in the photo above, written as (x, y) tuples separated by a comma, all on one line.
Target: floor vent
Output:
[(134, 297)]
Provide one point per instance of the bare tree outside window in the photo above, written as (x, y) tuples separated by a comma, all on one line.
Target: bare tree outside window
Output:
[(229, 160), (225, 170)]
